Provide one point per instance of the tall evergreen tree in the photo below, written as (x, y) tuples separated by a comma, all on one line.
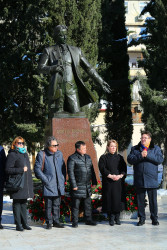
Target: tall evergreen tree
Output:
[(28, 28), (114, 60), (154, 88)]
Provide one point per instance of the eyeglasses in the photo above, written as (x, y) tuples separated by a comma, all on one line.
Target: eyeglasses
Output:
[(54, 145), (145, 138), (20, 143)]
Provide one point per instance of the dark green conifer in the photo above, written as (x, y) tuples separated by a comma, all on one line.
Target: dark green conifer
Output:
[(27, 28), (114, 64)]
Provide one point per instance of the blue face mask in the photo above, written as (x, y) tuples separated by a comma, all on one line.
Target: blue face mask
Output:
[(21, 150)]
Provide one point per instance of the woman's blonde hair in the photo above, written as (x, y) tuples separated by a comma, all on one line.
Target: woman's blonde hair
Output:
[(16, 140), (108, 144)]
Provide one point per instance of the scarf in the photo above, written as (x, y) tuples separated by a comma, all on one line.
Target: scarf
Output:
[(145, 147), (21, 150)]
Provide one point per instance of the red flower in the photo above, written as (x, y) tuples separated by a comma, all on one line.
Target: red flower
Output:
[(136, 208), (31, 202), (133, 198), (127, 198), (41, 218), (62, 197), (99, 182), (61, 212), (68, 198), (93, 201), (65, 183), (128, 208), (39, 191), (131, 203), (41, 204), (35, 217), (30, 211), (100, 187), (40, 194), (96, 190), (68, 213)]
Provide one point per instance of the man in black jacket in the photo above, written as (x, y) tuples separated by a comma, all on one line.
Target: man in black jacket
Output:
[(2, 178), (81, 172)]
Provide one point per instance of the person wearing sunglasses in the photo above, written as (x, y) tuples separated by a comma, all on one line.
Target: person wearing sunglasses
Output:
[(18, 163), (50, 169)]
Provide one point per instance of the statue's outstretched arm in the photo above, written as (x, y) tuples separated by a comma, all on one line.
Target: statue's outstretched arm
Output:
[(93, 74)]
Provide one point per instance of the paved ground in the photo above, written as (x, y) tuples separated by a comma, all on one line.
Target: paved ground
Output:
[(127, 236)]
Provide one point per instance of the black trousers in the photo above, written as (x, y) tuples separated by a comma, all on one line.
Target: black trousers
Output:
[(20, 211), (87, 209), (152, 197), (1, 202), (52, 209)]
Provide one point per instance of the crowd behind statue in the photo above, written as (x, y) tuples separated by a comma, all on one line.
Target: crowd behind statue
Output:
[(50, 168)]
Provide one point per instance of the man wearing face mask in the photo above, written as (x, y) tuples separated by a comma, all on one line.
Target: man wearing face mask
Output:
[(145, 158), (67, 91)]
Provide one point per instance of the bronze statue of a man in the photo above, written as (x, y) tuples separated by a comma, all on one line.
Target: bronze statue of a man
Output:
[(67, 91)]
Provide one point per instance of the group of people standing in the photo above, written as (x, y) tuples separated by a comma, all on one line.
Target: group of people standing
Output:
[(51, 170)]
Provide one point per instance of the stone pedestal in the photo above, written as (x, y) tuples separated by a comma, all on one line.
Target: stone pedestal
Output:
[(70, 130)]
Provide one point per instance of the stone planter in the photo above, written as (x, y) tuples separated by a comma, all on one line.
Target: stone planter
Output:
[(128, 215)]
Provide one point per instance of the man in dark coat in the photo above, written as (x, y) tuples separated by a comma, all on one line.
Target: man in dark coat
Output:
[(81, 172), (2, 178), (145, 158), (53, 176), (67, 91)]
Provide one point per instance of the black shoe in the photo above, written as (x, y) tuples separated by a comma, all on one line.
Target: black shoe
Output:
[(48, 226), (1, 227), (19, 228), (75, 225), (117, 222), (111, 222), (58, 225), (90, 223), (155, 223), (27, 227), (141, 223)]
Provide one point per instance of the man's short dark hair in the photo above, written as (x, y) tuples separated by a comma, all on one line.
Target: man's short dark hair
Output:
[(146, 133), (79, 143), (48, 141)]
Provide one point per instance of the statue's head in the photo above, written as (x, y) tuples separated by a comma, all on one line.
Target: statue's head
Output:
[(60, 34)]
